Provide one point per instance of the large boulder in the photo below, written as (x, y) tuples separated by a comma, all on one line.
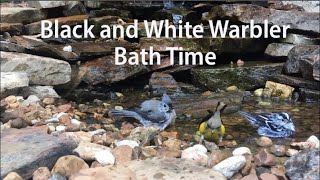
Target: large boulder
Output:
[(152, 168), (304, 165), (298, 20), (300, 39), (246, 77), (278, 49), (25, 150), (301, 60), (12, 28), (40, 70), (104, 70), (23, 15), (297, 82), (11, 81)]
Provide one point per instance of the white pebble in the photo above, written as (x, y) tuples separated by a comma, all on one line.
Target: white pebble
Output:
[(118, 108), (105, 157), (67, 48), (75, 122), (130, 143), (313, 139), (60, 128), (52, 120), (98, 131), (200, 147), (51, 129), (60, 114), (230, 166), (241, 151)]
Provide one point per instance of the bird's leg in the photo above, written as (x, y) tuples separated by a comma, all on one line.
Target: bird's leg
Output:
[(201, 139)]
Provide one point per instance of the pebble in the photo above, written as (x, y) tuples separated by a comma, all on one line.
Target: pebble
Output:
[(196, 153), (250, 177), (61, 128), (241, 151), (10, 99), (68, 165), (57, 176), (264, 158), (87, 150), (42, 173), (278, 150), (217, 156), (258, 92), (130, 143), (268, 176), (148, 152), (105, 157), (291, 152), (230, 166), (98, 131), (232, 88), (314, 141), (18, 123), (51, 128), (67, 48), (211, 146), (48, 101), (172, 144), (118, 108), (75, 122), (264, 141), (13, 176), (122, 154)]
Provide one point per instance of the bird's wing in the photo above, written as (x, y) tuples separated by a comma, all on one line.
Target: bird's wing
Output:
[(264, 131), (206, 118), (151, 115)]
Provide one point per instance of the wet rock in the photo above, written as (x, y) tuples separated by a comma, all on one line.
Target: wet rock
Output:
[(153, 168), (244, 13), (264, 142), (278, 150), (122, 154), (246, 77), (264, 158), (42, 173), (104, 70), (279, 90), (196, 153), (217, 156), (304, 165), (241, 151), (172, 144), (232, 88), (300, 39), (23, 15), (11, 81), (258, 92), (161, 83), (308, 65), (68, 165), (250, 177), (13, 176), (278, 49), (308, 94), (40, 70), (35, 28), (21, 151), (292, 65), (267, 176), (297, 82), (130, 143), (87, 150), (11, 47), (41, 92), (105, 157), (12, 28), (230, 166), (291, 152)]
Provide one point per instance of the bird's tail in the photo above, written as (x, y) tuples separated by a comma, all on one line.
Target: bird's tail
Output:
[(125, 113), (251, 118)]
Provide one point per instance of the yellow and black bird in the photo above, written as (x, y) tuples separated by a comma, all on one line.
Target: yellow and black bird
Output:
[(211, 127)]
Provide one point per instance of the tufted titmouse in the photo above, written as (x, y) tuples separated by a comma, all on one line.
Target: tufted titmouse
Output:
[(151, 113)]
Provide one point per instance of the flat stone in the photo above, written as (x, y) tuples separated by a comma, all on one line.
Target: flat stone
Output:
[(308, 94), (206, 44), (35, 28), (23, 15), (40, 70), (308, 6), (231, 165), (24, 150), (278, 49), (40, 91), (300, 39), (13, 80), (12, 28), (68, 165), (47, 4), (297, 82), (152, 168), (11, 47), (246, 77), (104, 70), (298, 20)]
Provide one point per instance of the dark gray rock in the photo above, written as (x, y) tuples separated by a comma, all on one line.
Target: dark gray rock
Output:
[(74, 8), (160, 83), (308, 94), (304, 165), (297, 82), (23, 15), (292, 65), (247, 77), (308, 67), (300, 39), (25, 150), (278, 49)]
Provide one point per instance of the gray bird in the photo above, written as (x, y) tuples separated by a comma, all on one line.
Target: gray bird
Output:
[(151, 113)]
